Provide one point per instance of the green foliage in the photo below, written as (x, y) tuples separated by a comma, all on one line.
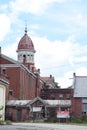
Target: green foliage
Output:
[(56, 85), (1, 108), (8, 122), (80, 119), (1, 122)]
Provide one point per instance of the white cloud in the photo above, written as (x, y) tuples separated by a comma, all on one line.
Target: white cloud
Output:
[(32, 6), (55, 52), (10, 50), (3, 7), (82, 71), (34, 26), (80, 59), (66, 80), (4, 26), (81, 19), (51, 52)]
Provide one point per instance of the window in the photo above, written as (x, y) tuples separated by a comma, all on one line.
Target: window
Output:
[(67, 96), (84, 108), (10, 92), (52, 96), (4, 71), (24, 56), (60, 95)]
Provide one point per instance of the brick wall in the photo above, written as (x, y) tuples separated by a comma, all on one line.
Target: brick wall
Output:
[(76, 106)]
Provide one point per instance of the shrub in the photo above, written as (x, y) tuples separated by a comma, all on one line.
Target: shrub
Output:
[(79, 119), (8, 122)]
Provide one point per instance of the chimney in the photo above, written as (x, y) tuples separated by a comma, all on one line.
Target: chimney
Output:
[(74, 74), (50, 76), (33, 69), (39, 71)]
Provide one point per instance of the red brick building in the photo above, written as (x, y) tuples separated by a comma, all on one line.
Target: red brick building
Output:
[(76, 94), (24, 78), (25, 84)]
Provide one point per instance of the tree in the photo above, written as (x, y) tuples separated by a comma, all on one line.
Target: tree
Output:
[(56, 85)]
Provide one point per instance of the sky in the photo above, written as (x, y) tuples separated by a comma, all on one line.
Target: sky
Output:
[(58, 29)]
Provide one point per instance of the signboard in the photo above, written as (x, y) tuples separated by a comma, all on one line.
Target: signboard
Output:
[(63, 114)]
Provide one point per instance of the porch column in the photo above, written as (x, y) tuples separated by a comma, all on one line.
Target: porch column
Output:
[(45, 111)]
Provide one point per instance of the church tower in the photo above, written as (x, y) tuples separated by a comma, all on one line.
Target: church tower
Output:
[(26, 50)]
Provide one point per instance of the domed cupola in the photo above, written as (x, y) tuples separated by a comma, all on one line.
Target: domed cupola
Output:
[(26, 49), (25, 43)]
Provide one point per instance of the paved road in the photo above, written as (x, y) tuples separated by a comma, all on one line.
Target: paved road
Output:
[(53, 126), (39, 126), (19, 127)]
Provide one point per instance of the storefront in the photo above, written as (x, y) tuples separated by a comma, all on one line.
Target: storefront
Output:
[(37, 108)]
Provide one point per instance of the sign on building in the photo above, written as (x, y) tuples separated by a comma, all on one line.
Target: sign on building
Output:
[(63, 114)]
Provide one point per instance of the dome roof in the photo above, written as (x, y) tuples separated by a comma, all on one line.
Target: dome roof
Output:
[(25, 43)]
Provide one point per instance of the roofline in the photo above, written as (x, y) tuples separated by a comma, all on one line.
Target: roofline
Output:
[(42, 80), (4, 81), (81, 76), (18, 64), (19, 50), (8, 58), (26, 69)]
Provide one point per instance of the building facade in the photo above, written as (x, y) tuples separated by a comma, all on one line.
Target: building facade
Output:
[(25, 80), (26, 84)]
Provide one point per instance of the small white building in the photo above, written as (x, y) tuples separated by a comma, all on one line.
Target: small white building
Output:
[(3, 84)]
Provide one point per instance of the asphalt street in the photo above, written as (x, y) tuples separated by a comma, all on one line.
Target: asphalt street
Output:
[(41, 126), (21, 127)]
